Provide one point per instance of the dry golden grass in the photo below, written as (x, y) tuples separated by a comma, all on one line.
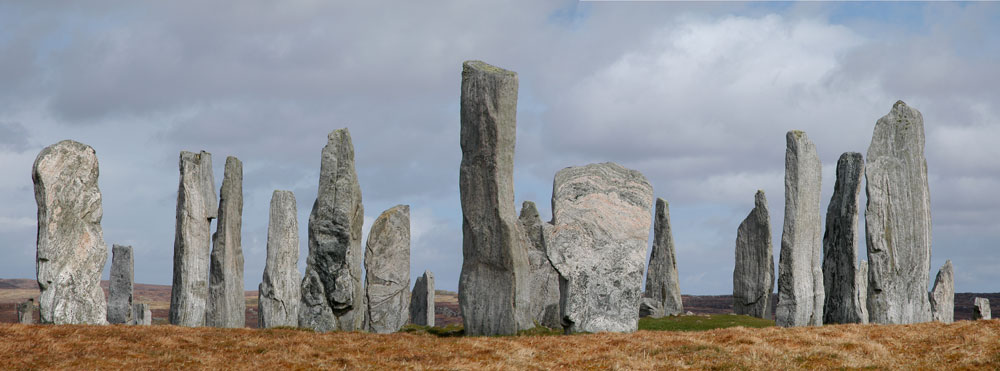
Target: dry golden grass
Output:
[(962, 345)]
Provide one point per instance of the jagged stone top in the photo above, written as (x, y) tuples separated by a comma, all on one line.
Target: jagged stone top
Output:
[(632, 186), (476, 65)]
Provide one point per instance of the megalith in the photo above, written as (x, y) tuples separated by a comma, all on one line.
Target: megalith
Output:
[(840, 245), (981, 309), (942, 296), (121, 285), (278, 294), (387, 271), (141, 315), (543, 278), (226, 302), (662, 284), (753, 277), (196, 207), (422, 301), (26, 312)]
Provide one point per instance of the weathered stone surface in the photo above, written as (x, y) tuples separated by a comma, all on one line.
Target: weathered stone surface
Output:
[(226, 302), (981, 309), (598, 245), (196, 207), (840, 244), (661, 278), (753, 277), (800, 273), (650, 307), (120, 287), (141, 315), (543, 278), (898, 219), (332, 295), (861, 289), (422, 300), (493, 286), (387, 271), (278, 295), (26, 312), (942, 296), (70, 249)]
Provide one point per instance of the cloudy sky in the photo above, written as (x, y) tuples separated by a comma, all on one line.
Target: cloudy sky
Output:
[(696, 96)]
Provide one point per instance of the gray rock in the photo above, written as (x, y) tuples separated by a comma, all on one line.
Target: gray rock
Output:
[(861, 289), (942, 296), (898, 219), (650, 307), (800, 273), (142, 316), (422, 301), (661, 279), (70, 248), (387, 271), (543, 278), (120, 287), (981, 309), (753, 277), (226, 301), (26, 312), (196, 207), (332, 295), (493, 289), (840, 245), (278, 295), (598, 245)]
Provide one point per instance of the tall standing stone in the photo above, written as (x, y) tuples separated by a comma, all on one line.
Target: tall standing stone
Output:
[(70, 248), (800, 273), (141, 315), (422, 301), (543, 278), (493, 286), (840, 244), (598, 245), (196, 207), (942, 296), (278, 294), (981, 309), (332, 295), (753, 277), (226, 302), (26, 312), (387, 271), (898, 219), (120, 287), (662, 283), (861, 289)]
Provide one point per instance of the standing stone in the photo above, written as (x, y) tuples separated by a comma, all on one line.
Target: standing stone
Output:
[(70, 249), (120, 287), (387, 271), (942, 296), (840, 245), (662, 284), (332, 295), (493, 286), (226, 302), (800, 273), (196, 207), (141, 316), (598, 245), (650, 307), (898, 219), (981, 309), (26, 312), (861, 289), (753, 277), (278, 294), (543, 278), (422, 301)]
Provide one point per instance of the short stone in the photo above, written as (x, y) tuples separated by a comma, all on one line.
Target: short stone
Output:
[(981, 309)]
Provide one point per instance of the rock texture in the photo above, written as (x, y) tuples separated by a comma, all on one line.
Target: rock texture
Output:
[(543, 278), (278, 294), (840, 245), (981, 309), (226, 301), (898, 219), (196, 207), (650, 307), (753, 277), (120, 287), (26, 312), (141, 316), (70, 248), (598, 245), (493, 286), (942, 296), (387, 271), (661, 280), (861, 289), (332, 295), (422, 301)]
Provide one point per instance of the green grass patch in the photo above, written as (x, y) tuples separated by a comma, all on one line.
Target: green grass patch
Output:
[(447, 331), (701, 322)]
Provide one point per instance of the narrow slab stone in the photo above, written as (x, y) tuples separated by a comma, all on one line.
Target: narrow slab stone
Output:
[(332, 295), (662, 283), (543, 278), (981, 309), (422, 301), (800, 273), (753, 277), (196, 207), (278, 294), (142, 316), (26, 312), (942, 296), (120, 287), (898, 219), (861, 289), (226, 302), (598, 245), (387, 271), (493, 286), (840, 244), (70, 248)]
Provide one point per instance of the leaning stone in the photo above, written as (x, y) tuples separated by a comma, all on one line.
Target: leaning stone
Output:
[(493, 289), (800, 273), (981, 309), (543, 278), (26, 312), (753, 277), (142, 316), (661, 279), (942, 296), (226, 301), (598, 245), (387, 271), (422, 301), (278, 294), (898, 219), (840, 244), (120, 287), (70, 249), (196, 207)]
